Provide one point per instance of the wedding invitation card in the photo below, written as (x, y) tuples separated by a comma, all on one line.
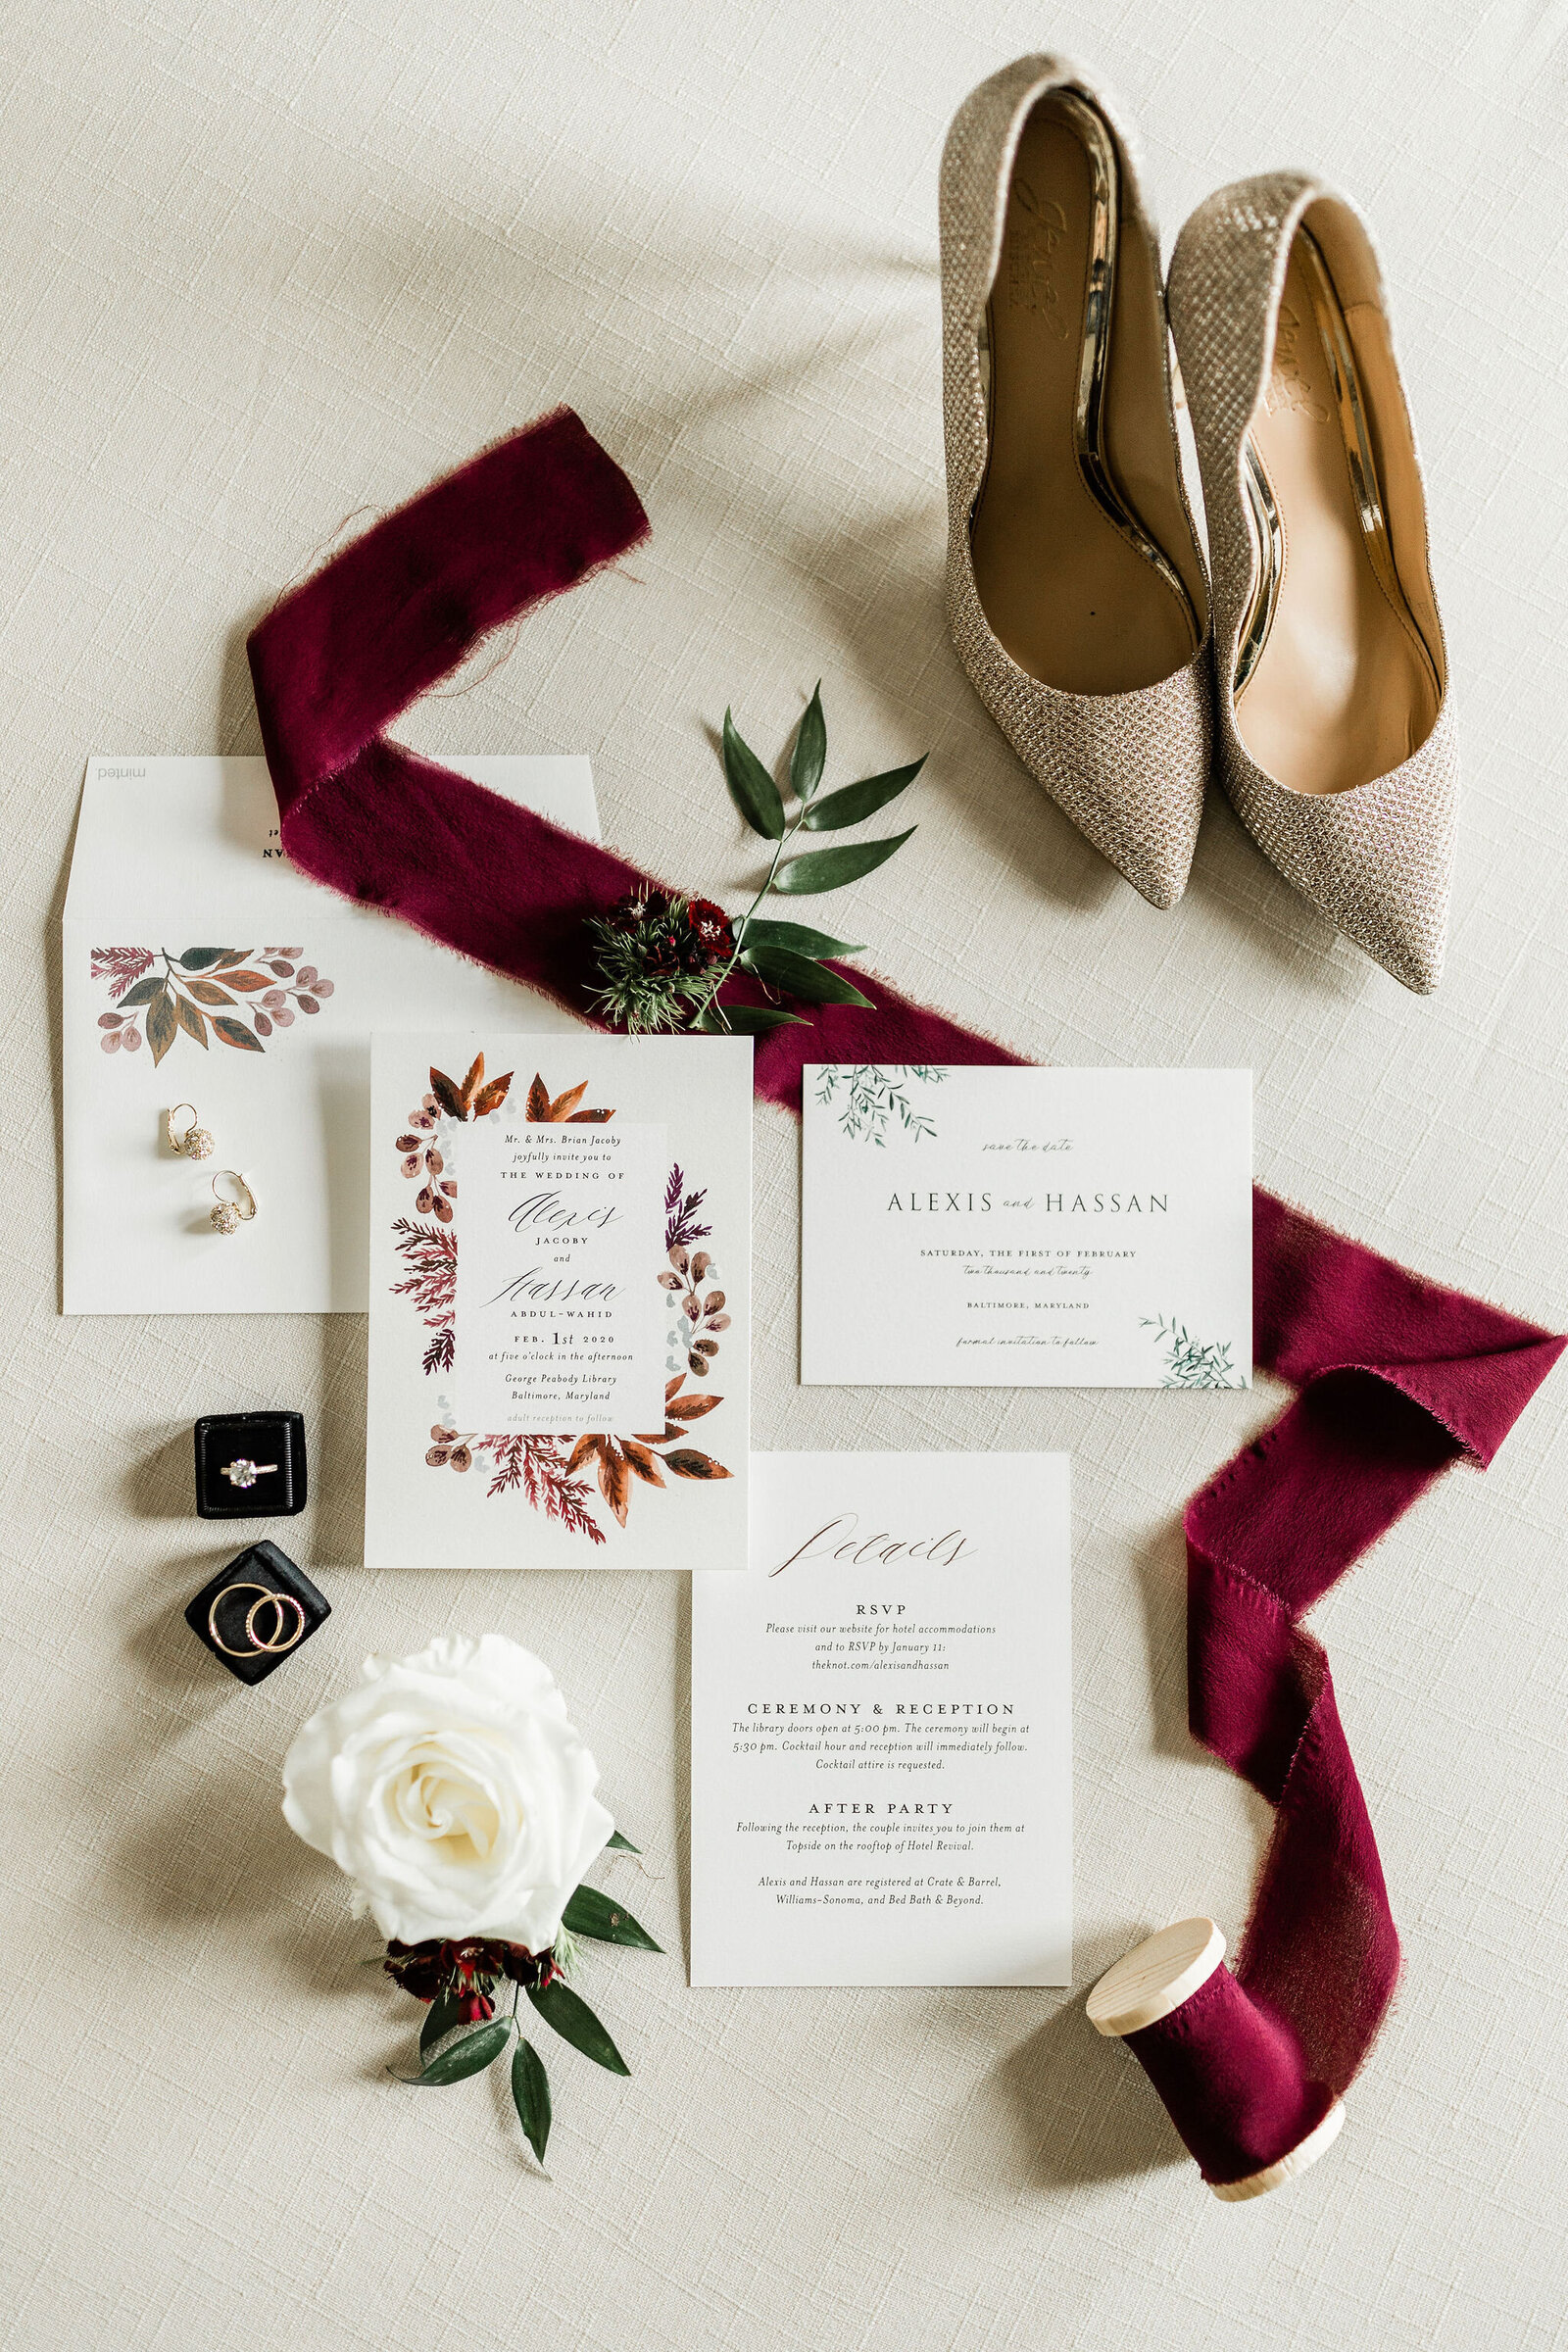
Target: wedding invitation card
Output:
[(560, 1320), (570, 1388), (1026, 1228), (171, 995), (881, 1727)]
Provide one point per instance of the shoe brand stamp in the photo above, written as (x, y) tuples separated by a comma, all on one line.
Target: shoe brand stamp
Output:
[(1288, 387), (1036, 232)]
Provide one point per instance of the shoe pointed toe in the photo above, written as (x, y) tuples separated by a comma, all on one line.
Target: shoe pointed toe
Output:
[(1128, 769), (1376, 861)]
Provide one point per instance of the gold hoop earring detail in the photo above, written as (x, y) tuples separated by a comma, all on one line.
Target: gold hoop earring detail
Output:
[(230, 1215), (193, 1141)]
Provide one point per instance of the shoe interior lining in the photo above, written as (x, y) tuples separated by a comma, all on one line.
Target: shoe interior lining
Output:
[(1349, 676), (1080, 600)]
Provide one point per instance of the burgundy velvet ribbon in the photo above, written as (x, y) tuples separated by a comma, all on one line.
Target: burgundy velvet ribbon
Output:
[(1396, 1378)]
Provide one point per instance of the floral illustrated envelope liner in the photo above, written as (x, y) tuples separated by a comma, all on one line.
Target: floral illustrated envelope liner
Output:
[(559, 1300), (971, 1226), (200, 967)]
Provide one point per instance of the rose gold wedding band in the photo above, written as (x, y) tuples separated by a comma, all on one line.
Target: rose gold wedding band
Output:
[(258, 1648), (278, 1600)]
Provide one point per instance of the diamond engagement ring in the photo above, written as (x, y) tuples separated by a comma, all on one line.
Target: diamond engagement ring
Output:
[(243, 1473)]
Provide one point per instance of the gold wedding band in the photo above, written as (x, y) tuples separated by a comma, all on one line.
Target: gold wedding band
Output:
[(258, 1646)]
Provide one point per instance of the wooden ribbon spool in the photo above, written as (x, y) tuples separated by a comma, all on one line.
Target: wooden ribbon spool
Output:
[(1231, 2072)]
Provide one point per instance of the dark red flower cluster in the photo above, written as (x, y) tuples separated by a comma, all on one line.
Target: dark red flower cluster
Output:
[(469, 1971), (674, 934), (709, 927)]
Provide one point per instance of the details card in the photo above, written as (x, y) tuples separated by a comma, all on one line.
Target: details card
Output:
[(559, 1300), (1027, 1228), (881, 1727)]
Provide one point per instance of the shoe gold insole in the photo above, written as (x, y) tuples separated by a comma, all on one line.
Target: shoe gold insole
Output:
[(1064, 589), (1342, 689)]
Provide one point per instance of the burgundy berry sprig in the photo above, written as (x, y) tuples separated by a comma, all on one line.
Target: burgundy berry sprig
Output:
[(661, 960)]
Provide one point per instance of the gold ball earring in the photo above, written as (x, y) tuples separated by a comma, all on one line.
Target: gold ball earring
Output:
[(193, 1141), (230, 1215)]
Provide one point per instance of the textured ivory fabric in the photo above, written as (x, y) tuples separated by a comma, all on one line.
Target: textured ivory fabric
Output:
[(267, 269), (1378, 861)]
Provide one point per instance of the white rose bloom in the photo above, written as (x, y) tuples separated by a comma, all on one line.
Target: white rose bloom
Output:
[(452, 1790)]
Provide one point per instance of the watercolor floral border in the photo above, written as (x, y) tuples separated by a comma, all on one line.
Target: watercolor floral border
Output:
[(551, 1471)]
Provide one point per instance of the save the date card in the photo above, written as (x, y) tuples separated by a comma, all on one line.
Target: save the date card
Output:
[(560, 1302), (1027, 1228)]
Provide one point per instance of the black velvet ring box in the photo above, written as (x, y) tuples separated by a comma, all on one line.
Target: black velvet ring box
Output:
[(250, 1465), (256, 1611)]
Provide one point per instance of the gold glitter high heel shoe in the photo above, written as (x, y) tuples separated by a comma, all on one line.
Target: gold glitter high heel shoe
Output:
[(1076, 593), (1336, 733)]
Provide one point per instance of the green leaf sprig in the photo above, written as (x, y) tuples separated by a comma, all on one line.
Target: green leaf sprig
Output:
[(662, 959), (786, 955), (452, 2048)]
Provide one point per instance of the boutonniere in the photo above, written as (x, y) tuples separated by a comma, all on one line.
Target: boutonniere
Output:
[(661, 960), (452, 1790)]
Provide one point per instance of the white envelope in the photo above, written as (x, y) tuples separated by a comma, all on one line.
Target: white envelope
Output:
[(178, 858)]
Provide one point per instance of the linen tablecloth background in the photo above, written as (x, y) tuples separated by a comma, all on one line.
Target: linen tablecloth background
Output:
[(267, 268)]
